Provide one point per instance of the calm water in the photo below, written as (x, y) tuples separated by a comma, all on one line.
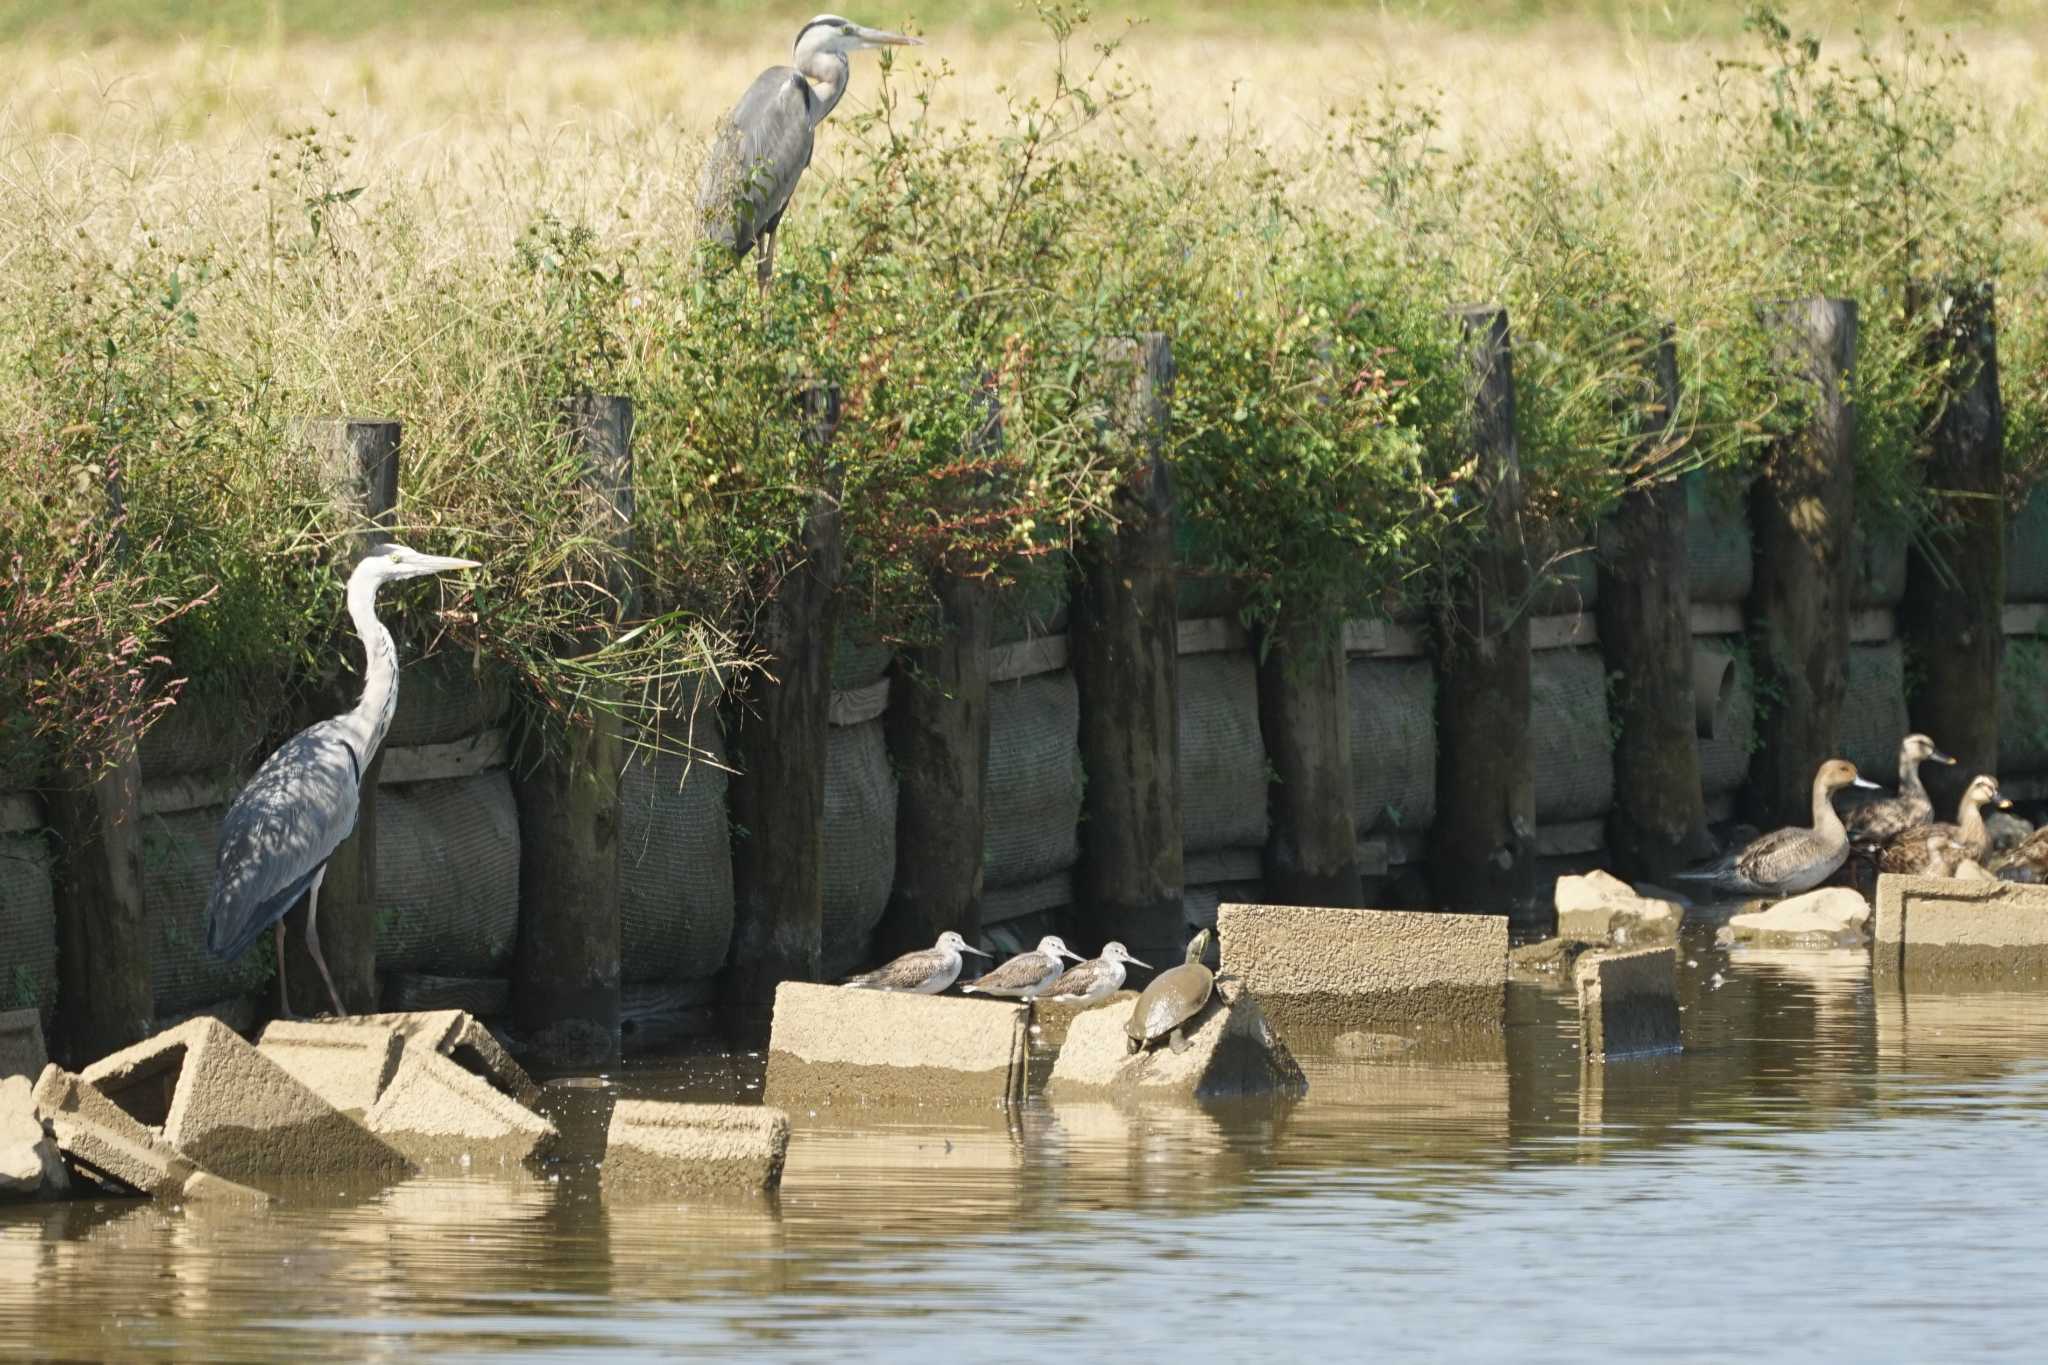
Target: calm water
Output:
[(1829, 1168)]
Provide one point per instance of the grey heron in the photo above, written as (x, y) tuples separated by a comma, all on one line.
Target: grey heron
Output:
[(287, 821), (765, 143)]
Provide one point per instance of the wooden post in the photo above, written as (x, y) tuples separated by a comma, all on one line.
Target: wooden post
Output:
[(105, 998), (358, 460), (1305, 717), (566, 974), (1124, 648), (1482, 846), (937, 727), (1659, 820), (1955, 575), (1802, 510), (779, 746)]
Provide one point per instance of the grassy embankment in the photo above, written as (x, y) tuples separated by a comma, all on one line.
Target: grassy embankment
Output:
[(462, 222)]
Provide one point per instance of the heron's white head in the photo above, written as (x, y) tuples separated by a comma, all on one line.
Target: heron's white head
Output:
[(952, 942), (828, 33), (391, 562), (1055, 947), (1116, 952)]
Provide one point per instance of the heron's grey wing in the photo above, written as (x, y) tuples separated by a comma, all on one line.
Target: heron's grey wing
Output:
[(762, 148), (281, 829)]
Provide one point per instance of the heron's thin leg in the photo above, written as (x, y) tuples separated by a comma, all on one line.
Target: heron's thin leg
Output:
[(313, 943), (284, 999), (764, 259)]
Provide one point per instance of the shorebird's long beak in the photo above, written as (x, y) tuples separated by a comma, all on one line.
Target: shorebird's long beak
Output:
[(881, 37), (1139, 962), (1866, 782), (970, 948), (1069, 952), (1939, 757)]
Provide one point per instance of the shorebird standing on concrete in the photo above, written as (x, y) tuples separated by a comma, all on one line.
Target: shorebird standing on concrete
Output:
[(928, 971), (1093, 980), (1024, 976)]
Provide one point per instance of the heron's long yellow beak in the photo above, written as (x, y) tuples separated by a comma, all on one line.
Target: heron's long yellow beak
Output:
[(877, 37)]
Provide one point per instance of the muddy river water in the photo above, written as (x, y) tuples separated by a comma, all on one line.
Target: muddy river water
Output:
[(1832, 1167)]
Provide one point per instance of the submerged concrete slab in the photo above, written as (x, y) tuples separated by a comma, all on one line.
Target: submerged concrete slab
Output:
[(1830, 917), (21, 1044), (458, 1036), (833, 1045), (30, 1166), (1628, 1003), (694, 1148), (233, 1110), (346, 1063), (1232, 1052), (1597, 907), (1386, 971), (435, 1111), (1994, 930), (100, 1137), (1050, 1020)]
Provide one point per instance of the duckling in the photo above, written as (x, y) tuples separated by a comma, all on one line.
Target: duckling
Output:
[(1788, 861), (1874, 823), (1937, 850), (2026, 861)]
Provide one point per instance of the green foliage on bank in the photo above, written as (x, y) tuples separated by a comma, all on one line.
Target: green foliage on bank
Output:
[(955, 284)]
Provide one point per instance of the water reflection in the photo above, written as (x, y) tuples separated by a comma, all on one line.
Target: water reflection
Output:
[(1471, 1192)]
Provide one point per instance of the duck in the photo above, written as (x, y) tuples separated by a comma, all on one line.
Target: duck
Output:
[(1874, 823), (2026, 861), (927, 971), (1937, 850), (1096, 979), (1024, 976), (1788, 861)]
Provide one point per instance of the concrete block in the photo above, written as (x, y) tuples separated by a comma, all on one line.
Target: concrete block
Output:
[(694, 1148), (833, 1045), (21, 1044), (1232, 1052), (348, 1064), (434, 1111), (1600, 908), (1628, 1003), (1383, 971), (236, 1112), (98, 1136), (1830, 917), (1957, 929), (1050, 1019), (457, 1035), (30, 1167), (1553, 957)]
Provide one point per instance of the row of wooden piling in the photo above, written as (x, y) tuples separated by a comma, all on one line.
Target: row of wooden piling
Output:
[(1123, 650)]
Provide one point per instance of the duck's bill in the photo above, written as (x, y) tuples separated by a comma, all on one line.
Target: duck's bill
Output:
[(1866, 782), (1939, 757), (2003, 803), (881, 37)]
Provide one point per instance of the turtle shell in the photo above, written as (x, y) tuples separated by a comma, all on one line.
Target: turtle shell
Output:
[(1175, 996)]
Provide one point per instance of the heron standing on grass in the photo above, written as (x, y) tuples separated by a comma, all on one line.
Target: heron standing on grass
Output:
[(286, 823), (765, 143)]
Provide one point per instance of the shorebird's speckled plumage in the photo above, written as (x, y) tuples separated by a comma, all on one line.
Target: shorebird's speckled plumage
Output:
[(1024, 976), (928, 971), (1096, 979)]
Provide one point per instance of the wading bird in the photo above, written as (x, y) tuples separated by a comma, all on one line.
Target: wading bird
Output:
[(1026, 974), (1788, 861), (765, 143), (1093, 980), (286, 823), (928, 971)]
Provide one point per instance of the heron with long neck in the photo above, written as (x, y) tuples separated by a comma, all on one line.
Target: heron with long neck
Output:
[(765, 143), (295, 812)]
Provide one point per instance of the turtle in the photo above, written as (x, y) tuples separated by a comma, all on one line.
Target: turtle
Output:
[(1173, 999)]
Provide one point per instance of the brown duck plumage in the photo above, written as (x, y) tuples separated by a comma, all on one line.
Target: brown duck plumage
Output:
[(1938, 850)]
